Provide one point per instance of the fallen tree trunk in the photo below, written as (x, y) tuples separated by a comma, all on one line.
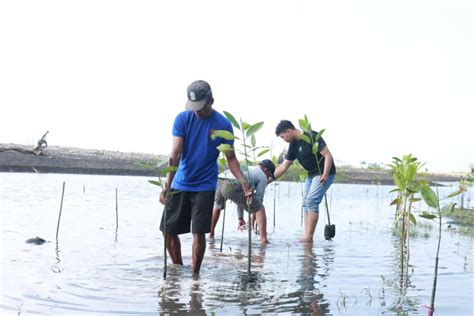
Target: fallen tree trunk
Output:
[(37, 150), (22, 150)]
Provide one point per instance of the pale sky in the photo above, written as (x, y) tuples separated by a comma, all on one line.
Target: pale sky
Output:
[(384, 78)]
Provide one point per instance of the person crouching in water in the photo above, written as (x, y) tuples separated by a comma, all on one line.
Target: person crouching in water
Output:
[(230, 189)]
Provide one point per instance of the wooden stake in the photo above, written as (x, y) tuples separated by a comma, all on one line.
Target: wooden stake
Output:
[(116, 209), (222, 234), (60, 210)]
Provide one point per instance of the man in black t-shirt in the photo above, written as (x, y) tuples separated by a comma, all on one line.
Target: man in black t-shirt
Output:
[(320, 176)]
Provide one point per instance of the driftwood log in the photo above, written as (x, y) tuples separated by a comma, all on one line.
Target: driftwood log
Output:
[(37, 150)]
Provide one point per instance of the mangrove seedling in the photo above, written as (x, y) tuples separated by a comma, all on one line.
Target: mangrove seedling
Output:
[(432, 200), (161, 183), (405, 176), (249, 151)]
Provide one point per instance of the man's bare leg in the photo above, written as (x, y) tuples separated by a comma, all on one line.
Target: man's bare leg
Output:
[(199, 248), (173, 244), (305, 223), (216, 213), (261, 220), (312, 221)]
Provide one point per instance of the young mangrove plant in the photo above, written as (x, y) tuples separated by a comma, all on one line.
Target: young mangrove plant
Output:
[(313, 140), (161, 183), (405, 176), (432, 200), (249, 151)]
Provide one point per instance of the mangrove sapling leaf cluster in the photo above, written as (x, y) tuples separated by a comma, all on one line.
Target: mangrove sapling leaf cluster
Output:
[(405, 173), (432, 200), (250, 152), (161, 183), (305, 125)]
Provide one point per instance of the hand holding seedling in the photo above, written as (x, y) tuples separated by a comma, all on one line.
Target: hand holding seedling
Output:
[(164, 195)]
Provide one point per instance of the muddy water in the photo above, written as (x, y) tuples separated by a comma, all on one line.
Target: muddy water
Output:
[(95, 270)]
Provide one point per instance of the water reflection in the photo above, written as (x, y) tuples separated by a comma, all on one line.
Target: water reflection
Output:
[(170, 293), (56, 268), (58, 259), (398, 285), (196, 299), (311, 298)]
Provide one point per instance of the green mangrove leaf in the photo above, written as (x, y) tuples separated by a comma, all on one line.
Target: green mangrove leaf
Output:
[(448, 207), (263, 152), (412, 219), (254, 128), (429, 196), (232, 119), (158, 183), (456, 193), (396, 159), (306, 139), (412, 189), (319, 134), (413, 200), (304, 125), (225, 148), (253, 140), (394, 190), (223, 134), (167, 170), (315, 149), (398, 182), (427, 215), (397, 202), (245, 126)]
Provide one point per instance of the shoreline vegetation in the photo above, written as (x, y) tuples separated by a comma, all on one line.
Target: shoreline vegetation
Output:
[(54, 159)]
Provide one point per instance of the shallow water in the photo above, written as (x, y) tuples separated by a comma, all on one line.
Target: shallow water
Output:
[(96, 270)]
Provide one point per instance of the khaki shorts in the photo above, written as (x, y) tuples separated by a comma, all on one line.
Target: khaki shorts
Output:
[(230, 189)]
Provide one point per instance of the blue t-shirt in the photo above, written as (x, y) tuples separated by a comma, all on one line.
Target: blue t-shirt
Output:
[(197, 170)]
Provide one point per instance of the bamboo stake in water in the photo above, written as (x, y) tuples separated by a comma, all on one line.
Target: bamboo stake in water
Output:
[(60, 210), (165, 255), (274, 205), (249, 273), (116, 209), (222, 234)]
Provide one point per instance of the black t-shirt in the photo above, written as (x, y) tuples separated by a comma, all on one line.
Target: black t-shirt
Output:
[(302, 151)]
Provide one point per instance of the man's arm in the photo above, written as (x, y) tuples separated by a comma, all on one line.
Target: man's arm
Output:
[(327, 163), (234, 167), (175, 156), (282, 168)]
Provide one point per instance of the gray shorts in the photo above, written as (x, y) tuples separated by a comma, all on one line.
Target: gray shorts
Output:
[(230, 189)]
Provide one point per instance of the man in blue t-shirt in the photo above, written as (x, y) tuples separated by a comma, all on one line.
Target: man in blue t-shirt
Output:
[(192, 186)]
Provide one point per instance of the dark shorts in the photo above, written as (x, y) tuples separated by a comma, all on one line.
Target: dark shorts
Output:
[(230, 189), (188, 212)]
